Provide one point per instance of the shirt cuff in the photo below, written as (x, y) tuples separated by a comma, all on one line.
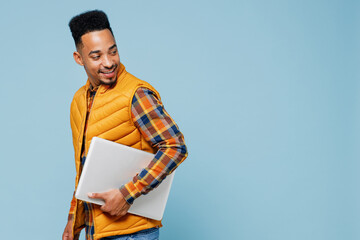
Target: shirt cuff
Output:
[(130, 192)]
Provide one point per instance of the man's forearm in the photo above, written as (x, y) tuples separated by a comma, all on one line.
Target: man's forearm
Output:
[(159, 129), (163, 164)]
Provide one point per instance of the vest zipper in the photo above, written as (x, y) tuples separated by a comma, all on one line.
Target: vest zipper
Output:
[(85, 133), (88, 120), (81, 135)]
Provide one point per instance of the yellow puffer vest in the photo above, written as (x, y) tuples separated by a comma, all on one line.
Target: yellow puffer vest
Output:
[(109, 118)]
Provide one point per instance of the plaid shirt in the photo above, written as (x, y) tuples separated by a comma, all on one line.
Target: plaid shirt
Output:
[(158, 128)]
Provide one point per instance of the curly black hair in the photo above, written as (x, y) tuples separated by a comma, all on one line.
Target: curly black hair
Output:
[(89, 21)]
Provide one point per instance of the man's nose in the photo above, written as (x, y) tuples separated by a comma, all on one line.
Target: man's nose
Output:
[(107, 62)]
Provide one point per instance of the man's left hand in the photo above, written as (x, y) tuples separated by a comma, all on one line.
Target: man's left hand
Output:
[(115, 203)]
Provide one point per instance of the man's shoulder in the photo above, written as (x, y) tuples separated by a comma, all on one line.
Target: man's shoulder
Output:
[(78, 96), (130, 84), (139, 83), (79, 92), (131, 79)]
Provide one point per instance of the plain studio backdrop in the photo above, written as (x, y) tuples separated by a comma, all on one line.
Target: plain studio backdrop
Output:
[(265, 92)]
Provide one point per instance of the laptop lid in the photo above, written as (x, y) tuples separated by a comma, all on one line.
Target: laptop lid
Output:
[(109, 165)]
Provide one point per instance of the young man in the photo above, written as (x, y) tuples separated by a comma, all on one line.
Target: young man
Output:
[(117, 106)]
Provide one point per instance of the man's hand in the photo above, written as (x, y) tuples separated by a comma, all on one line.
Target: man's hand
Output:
[(67, 235), (115, 203)]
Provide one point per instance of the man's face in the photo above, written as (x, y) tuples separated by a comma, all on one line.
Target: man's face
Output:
[(99, 56)]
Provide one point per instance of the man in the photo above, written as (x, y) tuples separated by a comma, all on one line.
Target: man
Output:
[(117, 106)]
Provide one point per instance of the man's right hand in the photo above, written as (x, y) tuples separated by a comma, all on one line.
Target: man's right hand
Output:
[(67, 235)]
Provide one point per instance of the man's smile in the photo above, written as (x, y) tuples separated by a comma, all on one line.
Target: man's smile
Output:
[(108, 73)]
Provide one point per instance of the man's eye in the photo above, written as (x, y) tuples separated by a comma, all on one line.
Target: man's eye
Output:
[(114, 52), (95, 57)]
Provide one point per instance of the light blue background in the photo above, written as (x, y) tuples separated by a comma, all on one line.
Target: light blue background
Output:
[(265, 92)]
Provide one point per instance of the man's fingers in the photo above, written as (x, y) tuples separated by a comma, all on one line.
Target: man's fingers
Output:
[(67, 236), (115, 204), (112, 212), (97, 195), (104, 208)]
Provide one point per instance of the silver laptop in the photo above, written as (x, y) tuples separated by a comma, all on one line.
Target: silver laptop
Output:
[(109, 165)]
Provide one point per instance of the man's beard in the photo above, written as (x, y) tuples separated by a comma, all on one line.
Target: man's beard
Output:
[(112, 80), (109, 83)]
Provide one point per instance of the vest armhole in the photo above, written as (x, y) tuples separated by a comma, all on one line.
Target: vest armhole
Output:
[(130, 103), (141, 85)]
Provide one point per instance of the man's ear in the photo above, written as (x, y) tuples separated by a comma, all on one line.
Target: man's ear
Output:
[(78, 58)]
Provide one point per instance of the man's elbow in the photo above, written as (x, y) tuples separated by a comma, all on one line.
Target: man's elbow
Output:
[(183, 153)]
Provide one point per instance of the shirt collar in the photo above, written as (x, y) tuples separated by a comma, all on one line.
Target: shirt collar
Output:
[(93, 89)]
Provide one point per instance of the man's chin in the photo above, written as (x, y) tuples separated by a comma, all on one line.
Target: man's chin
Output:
[(108, 81)]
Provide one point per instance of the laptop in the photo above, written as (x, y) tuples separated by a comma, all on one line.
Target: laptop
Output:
[(109, 165)]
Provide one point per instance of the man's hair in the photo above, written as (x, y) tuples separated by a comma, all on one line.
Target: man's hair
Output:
[(86, 22)]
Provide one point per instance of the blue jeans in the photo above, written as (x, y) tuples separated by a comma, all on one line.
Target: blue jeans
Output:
[(147, 234)]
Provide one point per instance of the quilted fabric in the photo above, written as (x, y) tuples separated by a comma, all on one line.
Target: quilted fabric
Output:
[(109, 118)]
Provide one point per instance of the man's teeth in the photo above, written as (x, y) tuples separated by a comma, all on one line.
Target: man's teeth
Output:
[(108, 72)]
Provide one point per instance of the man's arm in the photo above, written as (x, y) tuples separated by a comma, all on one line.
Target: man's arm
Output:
[(67, 234), (158, 128), (72, 206)]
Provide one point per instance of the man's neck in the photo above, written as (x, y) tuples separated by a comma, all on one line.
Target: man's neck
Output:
[(92, 88)]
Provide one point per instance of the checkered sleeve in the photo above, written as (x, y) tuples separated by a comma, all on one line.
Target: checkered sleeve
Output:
[(72, 207), (161, 131)]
